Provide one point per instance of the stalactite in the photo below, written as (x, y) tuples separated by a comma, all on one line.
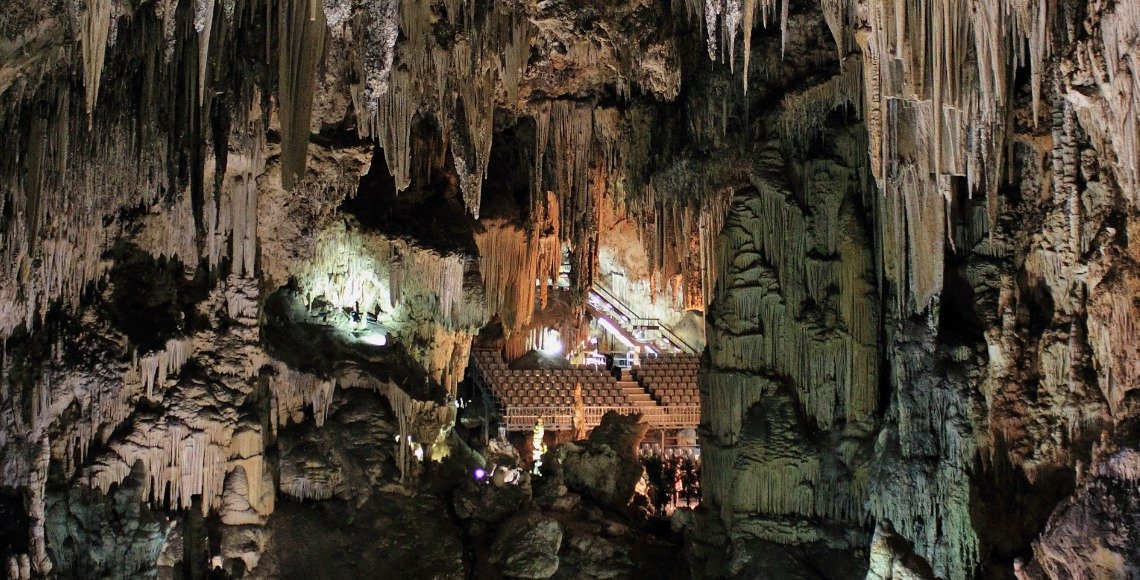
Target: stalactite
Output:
[(805, 114), (301, 28), (68, 235), (293, 391), (204, 26), (403, 408), (37, 486), (460, 84), (95, 30), (491, 57), (232, 219), (396, 110), (153, 369), (179, 462), (508, 260), (913, 54)]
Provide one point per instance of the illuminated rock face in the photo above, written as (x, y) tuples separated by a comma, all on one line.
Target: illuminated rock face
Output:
[(996, 254), (912, 226)]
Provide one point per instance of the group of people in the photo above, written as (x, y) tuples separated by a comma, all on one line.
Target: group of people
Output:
[(674, 481)]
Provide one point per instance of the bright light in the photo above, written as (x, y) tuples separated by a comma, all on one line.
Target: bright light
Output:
[(479, 474), (375, 339), (552, 344)]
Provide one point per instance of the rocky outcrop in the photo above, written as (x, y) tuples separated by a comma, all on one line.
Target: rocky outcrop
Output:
[(912, 225), (527, 546), (606, 466), (1093, 533)]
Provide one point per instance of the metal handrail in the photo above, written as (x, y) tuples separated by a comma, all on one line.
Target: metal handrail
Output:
[(561, 417), (644, 323)]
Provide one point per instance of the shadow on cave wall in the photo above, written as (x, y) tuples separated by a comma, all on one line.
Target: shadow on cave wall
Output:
[(151, 300), (430, 212)]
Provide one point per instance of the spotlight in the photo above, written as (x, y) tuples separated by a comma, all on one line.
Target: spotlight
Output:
[(479, 474), (552, 345)]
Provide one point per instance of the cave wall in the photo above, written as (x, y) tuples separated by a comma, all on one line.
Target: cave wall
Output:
[(989, 246), (911, 222), (204, 202)]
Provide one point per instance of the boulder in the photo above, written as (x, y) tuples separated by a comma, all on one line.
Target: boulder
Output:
[(1095, 533), (527, 546), (893, 558), (489, 503), (606, 466)]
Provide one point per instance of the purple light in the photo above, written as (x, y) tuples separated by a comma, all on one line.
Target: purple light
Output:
[(480, 473)]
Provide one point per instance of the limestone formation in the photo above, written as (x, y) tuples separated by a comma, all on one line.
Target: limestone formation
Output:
[(528, 547), (248, 246)]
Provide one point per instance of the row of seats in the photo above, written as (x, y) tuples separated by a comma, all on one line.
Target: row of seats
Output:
[(542, 397), (547, 387), (543, 400), (515, 378), (677, 399), (670, 378)]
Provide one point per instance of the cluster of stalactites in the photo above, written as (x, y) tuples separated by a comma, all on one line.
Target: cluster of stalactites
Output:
[(937, 82), (520, 265), (929, 121), (462, 85), (416, 293), (54, 246), (230, 216), (374, 274), (292, 391), (105, 403), (725, 20), (180, 461), (583, 144), (681, 240)]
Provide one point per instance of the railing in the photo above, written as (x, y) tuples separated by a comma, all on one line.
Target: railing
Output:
[(559, 418), (623, 361), (638, 323)]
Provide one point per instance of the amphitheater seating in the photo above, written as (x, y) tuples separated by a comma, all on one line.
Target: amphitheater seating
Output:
[(548, 387), (670, 378)]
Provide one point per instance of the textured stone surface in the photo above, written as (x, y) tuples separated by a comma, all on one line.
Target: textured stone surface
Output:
[(527, 546), (912, 225), (605, 466)]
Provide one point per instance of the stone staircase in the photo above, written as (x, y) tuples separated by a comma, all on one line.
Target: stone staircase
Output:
[(637, 394)]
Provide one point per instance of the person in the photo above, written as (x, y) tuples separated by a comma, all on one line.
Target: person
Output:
[(690, 481), (678, 483), (655, 471), (537, 446)]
